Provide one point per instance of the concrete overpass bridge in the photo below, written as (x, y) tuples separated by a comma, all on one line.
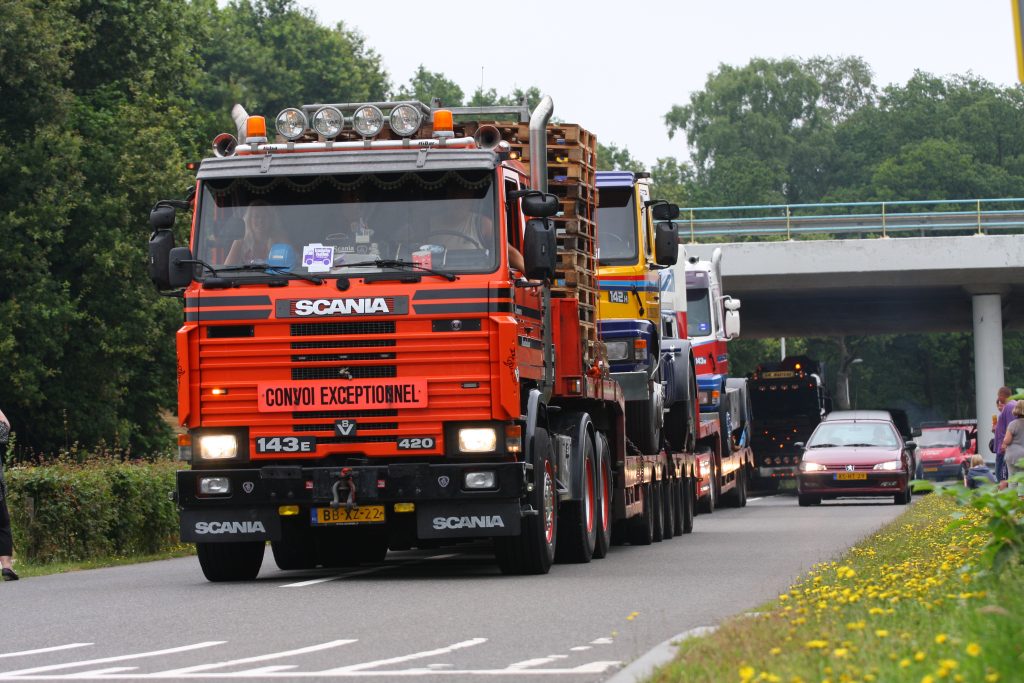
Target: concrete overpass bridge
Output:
[(875, 268)]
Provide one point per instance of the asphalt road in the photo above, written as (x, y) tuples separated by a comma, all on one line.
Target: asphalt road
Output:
[(438, 615)]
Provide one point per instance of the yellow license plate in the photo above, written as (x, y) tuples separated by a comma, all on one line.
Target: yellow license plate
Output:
[(848, 476), (364, 514), (931, 469)]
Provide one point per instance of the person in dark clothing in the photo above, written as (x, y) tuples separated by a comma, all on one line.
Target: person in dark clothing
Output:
[(6, 541), (979, 473)]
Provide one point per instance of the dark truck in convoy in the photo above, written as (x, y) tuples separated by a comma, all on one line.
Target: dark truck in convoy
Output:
[(788, 400)]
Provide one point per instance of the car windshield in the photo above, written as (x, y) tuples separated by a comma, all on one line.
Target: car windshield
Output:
[(781, 399), (616, 226), (324, 224), (864, 434), (698, 312), (938, 438)]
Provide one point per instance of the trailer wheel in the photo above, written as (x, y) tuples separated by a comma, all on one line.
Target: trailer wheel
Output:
[(604, 504), (238, 561), (688, 504), (577, 528), (737, 498), (710, 502), (657, 511), (642, 426), (678, 490), (743, 486), (641, 527), (669, 508), (533, 550), (678, 428), (296, 549)]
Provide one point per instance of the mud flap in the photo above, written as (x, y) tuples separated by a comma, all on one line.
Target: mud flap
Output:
[(467, 520), (223, 526)]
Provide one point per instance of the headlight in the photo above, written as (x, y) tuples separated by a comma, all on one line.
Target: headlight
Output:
[(291, 123), (405, 120), (480, 480), (618, 350), (214, 486), (328, 121), (951, 460), (218, 446), (478, 440), (889, 466), (811, 467), (368, 120)]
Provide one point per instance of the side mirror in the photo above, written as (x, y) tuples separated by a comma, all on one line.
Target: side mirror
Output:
[(540, 205), (732, 324), (181, 271), (161, 217), (539, 249), (666, 242), (161, 243), (663, 211), (911, 446), (731, 304)]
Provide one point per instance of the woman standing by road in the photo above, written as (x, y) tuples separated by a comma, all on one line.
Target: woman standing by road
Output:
[(6, 541), (1013, 442)]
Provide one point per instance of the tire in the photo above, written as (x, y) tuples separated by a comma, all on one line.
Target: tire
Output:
[(657, 511), (237, 561), (806, 500), (642, 426), (641, 527), (678, 430), (669, 507), (533, 550), (743, 486), (297, 548), (737, 498), (604, 505), (903, 497), (577, 527), (678, 491), (708, 504), (335, 547), (688, 504)]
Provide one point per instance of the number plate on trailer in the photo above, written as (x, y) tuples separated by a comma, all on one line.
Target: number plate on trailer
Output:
[(778, 374), (364, 514), (847, 476)]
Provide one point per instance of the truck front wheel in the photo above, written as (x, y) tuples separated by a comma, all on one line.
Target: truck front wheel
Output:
[(533, 550), (604, 502), (238, 561)]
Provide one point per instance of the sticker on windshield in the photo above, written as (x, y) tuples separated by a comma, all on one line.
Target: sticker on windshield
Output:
[(318, 258)]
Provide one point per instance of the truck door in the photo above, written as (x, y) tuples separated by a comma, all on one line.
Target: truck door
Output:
[(527, 301)]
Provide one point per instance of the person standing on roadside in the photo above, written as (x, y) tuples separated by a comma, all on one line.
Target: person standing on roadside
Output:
[(1005, 406), (6, 540), (1013, 443)]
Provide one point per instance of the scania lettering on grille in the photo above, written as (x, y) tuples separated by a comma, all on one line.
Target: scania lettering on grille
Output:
[(230, 528), (474, 522), (336, 308), (286, 396)]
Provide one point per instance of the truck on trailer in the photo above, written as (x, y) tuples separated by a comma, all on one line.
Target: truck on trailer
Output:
[(361, 366)]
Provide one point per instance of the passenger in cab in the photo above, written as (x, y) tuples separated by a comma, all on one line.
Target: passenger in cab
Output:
[(261, 232)]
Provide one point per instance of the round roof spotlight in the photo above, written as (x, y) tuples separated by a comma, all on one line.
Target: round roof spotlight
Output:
[(368, 120), (291, 124), (328, 122), (405, 120)]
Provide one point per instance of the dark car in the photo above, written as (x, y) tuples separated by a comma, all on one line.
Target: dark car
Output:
[(856, 453)]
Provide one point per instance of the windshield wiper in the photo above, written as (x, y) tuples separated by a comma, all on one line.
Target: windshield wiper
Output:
[(824, 445), (864, 445), (408, 265), (277, 270)]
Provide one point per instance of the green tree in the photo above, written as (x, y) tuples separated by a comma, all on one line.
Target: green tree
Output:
[(426, 85), (611, 157)]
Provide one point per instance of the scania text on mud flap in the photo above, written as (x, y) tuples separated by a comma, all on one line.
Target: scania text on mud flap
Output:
[(424, 400)]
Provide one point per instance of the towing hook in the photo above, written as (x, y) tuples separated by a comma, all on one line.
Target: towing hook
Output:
[(350, 500)]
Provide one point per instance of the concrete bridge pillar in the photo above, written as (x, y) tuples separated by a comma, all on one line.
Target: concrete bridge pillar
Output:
[(988, 363)]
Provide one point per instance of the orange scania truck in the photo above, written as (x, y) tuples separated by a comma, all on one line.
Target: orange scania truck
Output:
[(363, 366)]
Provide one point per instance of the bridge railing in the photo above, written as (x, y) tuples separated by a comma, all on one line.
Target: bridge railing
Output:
[(853, 220)]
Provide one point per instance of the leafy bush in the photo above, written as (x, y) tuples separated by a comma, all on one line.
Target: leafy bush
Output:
[(67, 511)]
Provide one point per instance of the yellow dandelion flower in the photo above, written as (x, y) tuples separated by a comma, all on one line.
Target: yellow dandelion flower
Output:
[(941, 638), (856, 625), (918, 656), (904, 663), (881, 633), (840, 652), (927, 679), (775, 651), (949, 664), (746, 673), (783, 597), (876, 610), (992, 677), (816, 644), (973, 649)]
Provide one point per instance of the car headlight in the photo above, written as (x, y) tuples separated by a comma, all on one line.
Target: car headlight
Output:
[(890, 466), (811, 467), (951, 460), (618, 350), (218, 446), (478, 440)]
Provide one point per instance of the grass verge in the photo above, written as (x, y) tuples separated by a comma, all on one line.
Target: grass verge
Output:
[(30, 569), (906, 604)]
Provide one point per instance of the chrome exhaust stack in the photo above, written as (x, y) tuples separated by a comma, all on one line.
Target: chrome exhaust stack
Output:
[(538, 143)]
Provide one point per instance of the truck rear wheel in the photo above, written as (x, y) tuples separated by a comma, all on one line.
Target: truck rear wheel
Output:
[(237, 561), (657, 511), (533, 550), (577, 528), (669, 506), (688, 504), (604, 502), (710, 502), (641, 527), (737, 498), (643, 426), (296, 549), (678, 430)]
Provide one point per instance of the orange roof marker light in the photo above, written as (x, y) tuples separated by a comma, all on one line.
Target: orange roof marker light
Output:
[(444, 124), (255, 130)]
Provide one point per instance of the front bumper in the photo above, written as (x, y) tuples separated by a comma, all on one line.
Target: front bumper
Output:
[(876, 483), (941, 471), (249, 511)]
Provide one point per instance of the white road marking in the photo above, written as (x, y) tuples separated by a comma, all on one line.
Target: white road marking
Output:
[(404, 658), (42, 650), (580, 648), (101, 672), (363, 572), (264, 670), (106, 660), (253, 660), (528, 663), (751, 500), (602, 641)]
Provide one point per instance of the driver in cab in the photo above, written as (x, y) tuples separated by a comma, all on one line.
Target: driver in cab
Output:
[(476, 231)]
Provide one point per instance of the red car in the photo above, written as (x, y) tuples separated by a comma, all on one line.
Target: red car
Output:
[(944, 450), (856, 453)]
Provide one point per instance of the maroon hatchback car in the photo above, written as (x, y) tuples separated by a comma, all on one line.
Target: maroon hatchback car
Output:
[(856, 453)]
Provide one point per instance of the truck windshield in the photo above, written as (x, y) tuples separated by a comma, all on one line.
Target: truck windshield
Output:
[(325, 224), (771, 402), (698, 312), (933, 438), (616, 226)]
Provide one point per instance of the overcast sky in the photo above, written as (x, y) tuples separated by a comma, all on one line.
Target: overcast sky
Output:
[(618, 67)]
